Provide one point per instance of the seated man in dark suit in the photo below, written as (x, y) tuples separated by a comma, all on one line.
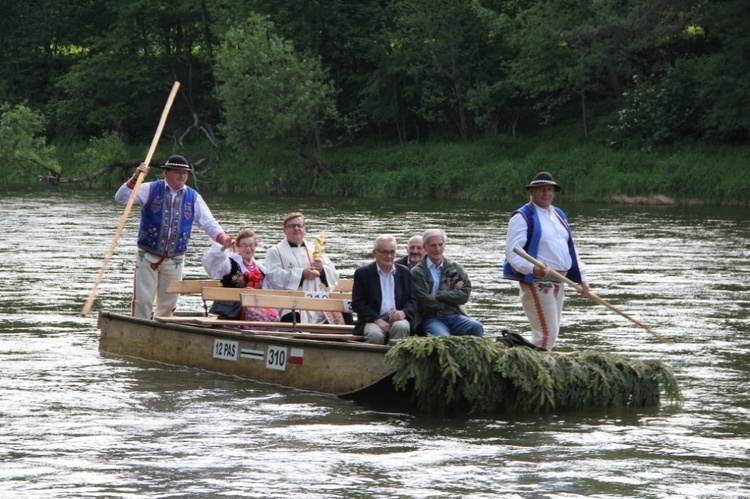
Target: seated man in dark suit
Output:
[(382, 296)]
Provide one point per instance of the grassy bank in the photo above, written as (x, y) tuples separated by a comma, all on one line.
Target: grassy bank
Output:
[(498, 171), (488, 170)]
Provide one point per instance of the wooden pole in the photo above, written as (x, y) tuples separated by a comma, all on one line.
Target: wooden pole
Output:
[(129, 206), (591, 295)]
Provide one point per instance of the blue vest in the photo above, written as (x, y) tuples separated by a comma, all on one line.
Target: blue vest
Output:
[(157, 216), (533, 235)]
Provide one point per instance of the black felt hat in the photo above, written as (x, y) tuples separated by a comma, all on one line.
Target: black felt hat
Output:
[(177, 162), (543, 178)]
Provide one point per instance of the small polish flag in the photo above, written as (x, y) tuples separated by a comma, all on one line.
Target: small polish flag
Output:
[(296, 356)]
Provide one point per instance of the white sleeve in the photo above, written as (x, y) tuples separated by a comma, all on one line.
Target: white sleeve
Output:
[(204, 219), (516, 237), (216, 262), (123, 193)]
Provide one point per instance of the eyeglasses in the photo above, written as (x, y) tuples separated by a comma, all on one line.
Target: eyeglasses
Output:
[(386, 252), (295, 226), (247, 245)]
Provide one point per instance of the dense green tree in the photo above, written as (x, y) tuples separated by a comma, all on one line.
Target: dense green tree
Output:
[(584, 49), (661, 71), (453, 45), (24, 146), (127, 69), (38, 42), (722, 84), (346, 36), (703, 92), (270, 93)]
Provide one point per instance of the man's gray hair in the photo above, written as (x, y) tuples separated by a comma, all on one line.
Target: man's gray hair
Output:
[(431, 233), (385, 238)]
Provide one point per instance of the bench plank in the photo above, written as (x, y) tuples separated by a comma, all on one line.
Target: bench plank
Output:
[(344, 286), (196, 286), (190, 286), (296, 303), (233, 294)]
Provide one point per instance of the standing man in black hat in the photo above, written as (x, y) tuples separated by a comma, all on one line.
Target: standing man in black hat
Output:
[(169, 208), (542, 230)]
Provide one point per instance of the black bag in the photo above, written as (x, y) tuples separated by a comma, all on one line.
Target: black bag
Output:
[(227, 309), (511, 339)]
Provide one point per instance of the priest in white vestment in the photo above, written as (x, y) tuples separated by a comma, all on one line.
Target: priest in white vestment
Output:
[(290, 265)]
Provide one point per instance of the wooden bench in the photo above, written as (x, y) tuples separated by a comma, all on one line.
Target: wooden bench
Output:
[(336, 301), (279, 299), (296, 301), (234, 294), (193, 286)]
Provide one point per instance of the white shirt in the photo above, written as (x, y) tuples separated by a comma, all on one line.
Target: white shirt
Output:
[(553, 245), (387, 290)]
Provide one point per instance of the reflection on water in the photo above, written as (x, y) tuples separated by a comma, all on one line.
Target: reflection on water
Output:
[(77, 423)]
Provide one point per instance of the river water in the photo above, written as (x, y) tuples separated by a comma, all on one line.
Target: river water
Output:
[(76, 423)]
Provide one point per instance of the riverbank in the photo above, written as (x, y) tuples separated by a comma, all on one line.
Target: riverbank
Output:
[(489, 170), (499, 170)]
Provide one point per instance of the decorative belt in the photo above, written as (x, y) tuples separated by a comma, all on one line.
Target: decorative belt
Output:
[(446, 312), (155, 266)]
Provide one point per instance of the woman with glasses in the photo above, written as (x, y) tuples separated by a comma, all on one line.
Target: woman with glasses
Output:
[(238, 270)]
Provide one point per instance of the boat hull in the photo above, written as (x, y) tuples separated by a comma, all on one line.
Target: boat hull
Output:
[(345, 369)]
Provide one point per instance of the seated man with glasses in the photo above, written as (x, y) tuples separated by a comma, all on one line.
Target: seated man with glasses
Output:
[(291, 266), (382, 296), (442, 289), (238, 270)]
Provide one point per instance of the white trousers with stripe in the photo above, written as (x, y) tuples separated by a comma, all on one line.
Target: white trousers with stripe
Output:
[(542, 302)]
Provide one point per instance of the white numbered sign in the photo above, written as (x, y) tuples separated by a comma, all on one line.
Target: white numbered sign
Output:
[(277, 358)]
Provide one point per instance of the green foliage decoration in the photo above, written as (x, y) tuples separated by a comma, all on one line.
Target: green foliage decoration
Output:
[(479, 375)]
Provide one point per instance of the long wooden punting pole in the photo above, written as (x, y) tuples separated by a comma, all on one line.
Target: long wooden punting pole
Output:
[(591, 295), (129, 206)]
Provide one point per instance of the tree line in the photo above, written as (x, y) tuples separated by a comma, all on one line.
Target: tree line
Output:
[(309, 75)]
